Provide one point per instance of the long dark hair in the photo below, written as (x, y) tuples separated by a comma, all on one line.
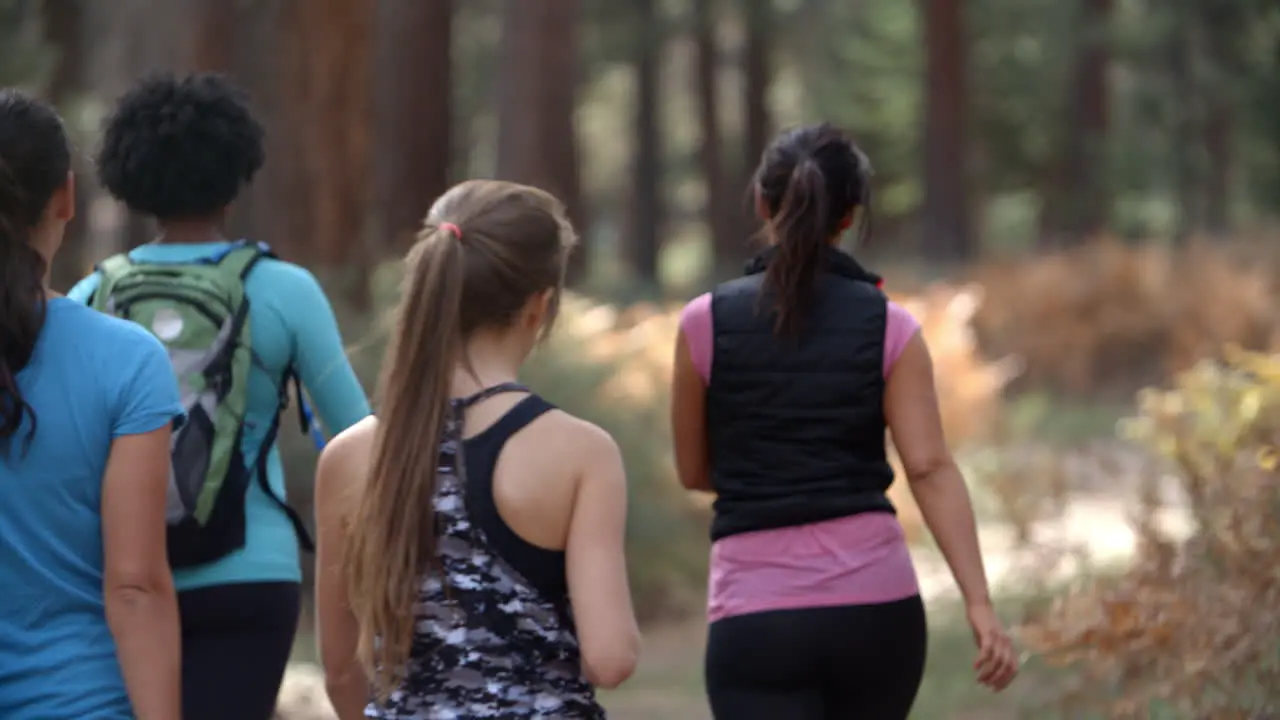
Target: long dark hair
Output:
[(809, 180), (34, 162)]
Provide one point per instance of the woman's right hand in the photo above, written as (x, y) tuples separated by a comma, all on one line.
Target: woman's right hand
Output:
[(997, 663)]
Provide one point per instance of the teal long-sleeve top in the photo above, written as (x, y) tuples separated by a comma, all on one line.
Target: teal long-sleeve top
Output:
[(292, 323)]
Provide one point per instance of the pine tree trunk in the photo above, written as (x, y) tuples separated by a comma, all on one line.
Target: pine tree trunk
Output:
[(727, 249), (64, 31), (1080, 206), (947, 235), (320, 135), (413, 116), (757, 126), (537, 143), (647, 209), (213, 45)]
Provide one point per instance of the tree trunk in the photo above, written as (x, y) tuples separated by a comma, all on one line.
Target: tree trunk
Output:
[(414, 116), (1080, 206), (111, 68), (1223, 23), (63, 27), (560, 36), (1184, 133), (1218, 133), (519, 92), (727, 250), (756, 126), (214, 32), (537, 144), (947, 235), (319, 190), (647, 209)]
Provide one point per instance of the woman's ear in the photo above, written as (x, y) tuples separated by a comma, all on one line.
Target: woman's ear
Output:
[(762, 210), (539, 306), (62, 205), (846, 222)]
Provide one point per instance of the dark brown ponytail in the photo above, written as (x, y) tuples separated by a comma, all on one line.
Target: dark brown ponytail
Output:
[(809, 180), (34, 162), (801, 229)]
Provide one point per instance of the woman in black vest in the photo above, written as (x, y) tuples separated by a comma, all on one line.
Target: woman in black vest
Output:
[(785, 382)]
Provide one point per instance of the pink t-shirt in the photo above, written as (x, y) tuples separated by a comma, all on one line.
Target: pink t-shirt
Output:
[(857, 560)]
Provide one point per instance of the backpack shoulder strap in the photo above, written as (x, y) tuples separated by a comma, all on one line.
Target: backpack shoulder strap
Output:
[(238, 260), (115, 265), (299, 526), (109, 271)]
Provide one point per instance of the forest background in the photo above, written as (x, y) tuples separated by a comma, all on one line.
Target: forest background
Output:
[(1078, 198)]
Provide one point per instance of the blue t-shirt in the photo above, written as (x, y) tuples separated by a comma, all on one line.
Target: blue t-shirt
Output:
[(92, 378), (291, 322)]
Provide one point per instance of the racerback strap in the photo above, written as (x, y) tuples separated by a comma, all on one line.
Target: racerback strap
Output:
[(485, 394)]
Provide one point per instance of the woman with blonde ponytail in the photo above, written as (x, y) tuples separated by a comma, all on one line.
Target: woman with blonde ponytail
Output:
[(471, 534)]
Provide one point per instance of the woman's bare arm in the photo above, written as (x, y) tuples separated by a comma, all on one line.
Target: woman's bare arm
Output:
[(141, 605), (911, 408), (689, 420), (596, 565), (339, 478)]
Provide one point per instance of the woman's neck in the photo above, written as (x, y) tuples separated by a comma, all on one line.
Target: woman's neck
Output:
[(482, 375), (493, 358), (189, 232)]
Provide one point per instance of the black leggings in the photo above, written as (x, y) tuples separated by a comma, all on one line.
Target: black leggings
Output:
[(236, 641), (854, 662)]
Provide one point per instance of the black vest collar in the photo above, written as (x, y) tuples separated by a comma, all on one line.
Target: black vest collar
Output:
[(835, 261)]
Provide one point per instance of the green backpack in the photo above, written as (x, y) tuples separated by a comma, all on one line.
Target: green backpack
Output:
[(201, 314)]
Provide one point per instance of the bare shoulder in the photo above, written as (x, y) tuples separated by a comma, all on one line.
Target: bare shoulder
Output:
[(590, 446), (587, 436), (344, 462)]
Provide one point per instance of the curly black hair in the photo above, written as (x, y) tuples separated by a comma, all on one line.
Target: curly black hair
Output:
[(180, 147)]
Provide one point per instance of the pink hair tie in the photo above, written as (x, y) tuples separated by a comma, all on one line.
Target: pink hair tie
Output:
[(451, 228)]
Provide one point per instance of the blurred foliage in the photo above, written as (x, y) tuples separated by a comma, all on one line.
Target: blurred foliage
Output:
[(969, 386), (1193, 625), (1110, 317), (24, 58), (613, 368)]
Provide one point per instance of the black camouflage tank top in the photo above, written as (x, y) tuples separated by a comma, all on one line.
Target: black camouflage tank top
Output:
[(493, 645)]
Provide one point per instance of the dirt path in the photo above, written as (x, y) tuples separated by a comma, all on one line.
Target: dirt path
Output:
[(1094, 525)]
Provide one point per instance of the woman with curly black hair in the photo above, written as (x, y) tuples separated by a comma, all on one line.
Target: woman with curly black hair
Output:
[(239, 325)]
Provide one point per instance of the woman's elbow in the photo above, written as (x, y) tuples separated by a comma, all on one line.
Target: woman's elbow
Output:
[(338, 689), (609, 668), (929, 471), (130, 584), (610, 674), (344, 683)]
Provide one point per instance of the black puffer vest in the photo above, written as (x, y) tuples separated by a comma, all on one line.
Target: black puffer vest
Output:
[(796, 424)]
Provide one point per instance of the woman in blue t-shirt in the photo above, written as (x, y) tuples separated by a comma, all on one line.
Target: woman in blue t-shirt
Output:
[(180, 149), (88, 617)]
